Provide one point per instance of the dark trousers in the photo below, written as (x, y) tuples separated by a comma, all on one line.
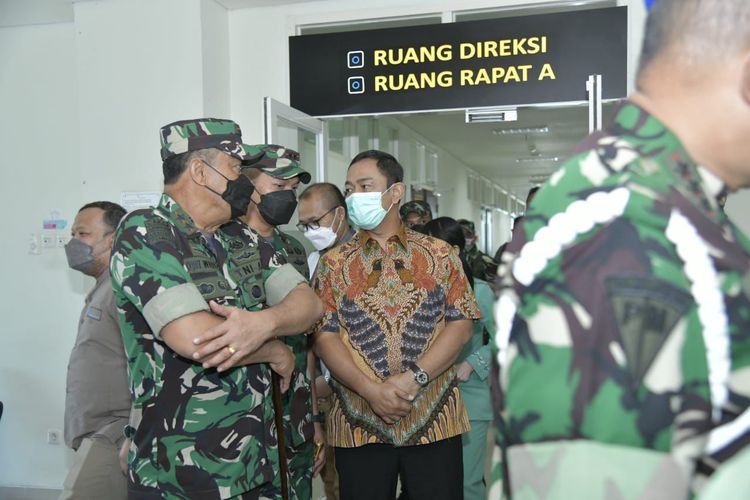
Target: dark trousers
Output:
[(428, 471)]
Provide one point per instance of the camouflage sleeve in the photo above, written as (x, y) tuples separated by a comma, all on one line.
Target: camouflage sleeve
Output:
[(610, 339), (460, 300), (151, 275), (322, 285), (280, 281)]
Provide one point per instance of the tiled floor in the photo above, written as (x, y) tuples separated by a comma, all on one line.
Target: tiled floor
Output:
[(28, 494), (318, 493)]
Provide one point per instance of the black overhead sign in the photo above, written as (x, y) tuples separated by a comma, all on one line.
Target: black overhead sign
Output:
[(509, 61)]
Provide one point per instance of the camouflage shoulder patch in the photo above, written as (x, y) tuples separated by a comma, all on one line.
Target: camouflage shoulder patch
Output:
[(645, 312), (158, 231)]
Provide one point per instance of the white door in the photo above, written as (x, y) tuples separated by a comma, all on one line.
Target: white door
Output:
[(294, 129), (305, 134)]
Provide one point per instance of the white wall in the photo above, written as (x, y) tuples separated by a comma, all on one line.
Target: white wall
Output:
[(41, 298), (82, 104)]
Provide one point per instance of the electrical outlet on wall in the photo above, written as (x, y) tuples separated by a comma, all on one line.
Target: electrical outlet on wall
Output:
[(49, 239), (54, 436)]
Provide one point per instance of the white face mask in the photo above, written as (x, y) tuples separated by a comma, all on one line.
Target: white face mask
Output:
[(322, 237)]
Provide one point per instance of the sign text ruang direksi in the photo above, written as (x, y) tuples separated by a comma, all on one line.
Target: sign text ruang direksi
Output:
[(494, 62), (462, 51)]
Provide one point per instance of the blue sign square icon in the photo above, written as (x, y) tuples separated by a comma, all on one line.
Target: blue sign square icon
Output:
[(355, 59), (356, 84)]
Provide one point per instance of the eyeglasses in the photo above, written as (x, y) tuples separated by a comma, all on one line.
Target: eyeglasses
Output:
[(315, 223)]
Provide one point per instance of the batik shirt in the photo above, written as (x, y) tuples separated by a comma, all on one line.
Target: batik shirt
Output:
[(202, 434), (389, 306), (625, 300)]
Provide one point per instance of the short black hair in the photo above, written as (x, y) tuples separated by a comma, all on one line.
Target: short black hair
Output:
[(174, 167), (450, 231), (327, 190), (388, 165), (113, 213), (700, 30)]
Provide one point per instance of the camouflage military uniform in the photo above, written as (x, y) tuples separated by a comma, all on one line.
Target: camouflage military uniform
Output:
[(203, 434), (623, 324), (280, 250), (419, 207), (482, 265)]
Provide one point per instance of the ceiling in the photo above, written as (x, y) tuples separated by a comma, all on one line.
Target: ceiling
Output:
[(514, 161), (27, 12), (244, 4)]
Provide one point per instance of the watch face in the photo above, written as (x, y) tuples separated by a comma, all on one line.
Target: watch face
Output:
[(421, 378)]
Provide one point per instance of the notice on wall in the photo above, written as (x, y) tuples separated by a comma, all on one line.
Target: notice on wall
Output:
[(133, 200), (498, 62)]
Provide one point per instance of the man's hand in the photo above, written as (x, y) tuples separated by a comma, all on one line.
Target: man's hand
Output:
[(122, 455), (319, 457), (464, 371), (282, 362), (322, 389), (405, 382), (388, 401), (241, 333)]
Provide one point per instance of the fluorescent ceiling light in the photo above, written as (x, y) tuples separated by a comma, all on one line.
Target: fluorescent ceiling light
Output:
[(538, 159), (521, 130), (489, 115)]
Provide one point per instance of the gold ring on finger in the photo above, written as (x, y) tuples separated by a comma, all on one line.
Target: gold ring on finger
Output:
[(231, 349)]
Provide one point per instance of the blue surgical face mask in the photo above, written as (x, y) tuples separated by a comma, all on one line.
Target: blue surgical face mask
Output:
[(366, 209)]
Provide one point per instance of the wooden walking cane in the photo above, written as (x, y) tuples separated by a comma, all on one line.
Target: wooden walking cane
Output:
[(278, 417)]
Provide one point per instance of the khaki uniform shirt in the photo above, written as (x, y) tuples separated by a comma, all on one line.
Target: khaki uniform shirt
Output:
[(97, 394)]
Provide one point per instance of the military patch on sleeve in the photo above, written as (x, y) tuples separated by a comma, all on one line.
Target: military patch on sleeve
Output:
[(645, 311), (158, 231)]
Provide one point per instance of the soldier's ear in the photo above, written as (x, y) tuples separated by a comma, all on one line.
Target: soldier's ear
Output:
[(197, 171)]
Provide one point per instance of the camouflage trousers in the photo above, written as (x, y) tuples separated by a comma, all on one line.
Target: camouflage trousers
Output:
[(300, 464)]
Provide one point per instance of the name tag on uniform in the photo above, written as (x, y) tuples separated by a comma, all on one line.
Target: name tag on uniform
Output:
[(94, 313)]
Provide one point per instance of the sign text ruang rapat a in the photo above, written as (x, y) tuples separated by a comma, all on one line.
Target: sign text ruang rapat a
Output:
[(464, 51)]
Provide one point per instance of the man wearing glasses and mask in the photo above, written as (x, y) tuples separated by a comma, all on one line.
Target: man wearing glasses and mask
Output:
[(200, 322), (323, 220)]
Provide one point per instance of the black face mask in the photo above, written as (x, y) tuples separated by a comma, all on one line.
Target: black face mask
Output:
[(237, 194), (277, 207)]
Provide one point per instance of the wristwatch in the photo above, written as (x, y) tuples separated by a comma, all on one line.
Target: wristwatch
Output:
[(420, 376)]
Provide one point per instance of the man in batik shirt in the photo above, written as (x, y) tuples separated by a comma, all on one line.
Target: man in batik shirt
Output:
[(398, 310), (623, 316)]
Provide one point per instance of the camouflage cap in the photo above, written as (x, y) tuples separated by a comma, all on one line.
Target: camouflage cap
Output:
[(467, 225), (281, 162), (419, 207), (204, 133)]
